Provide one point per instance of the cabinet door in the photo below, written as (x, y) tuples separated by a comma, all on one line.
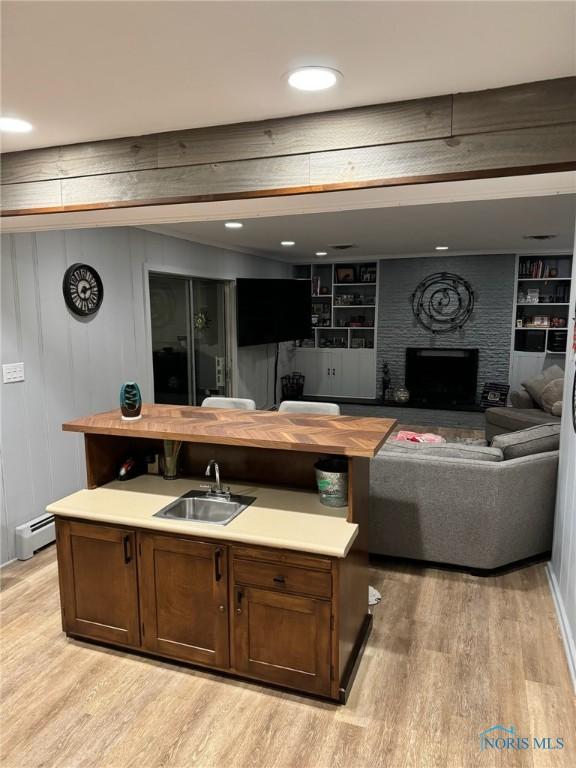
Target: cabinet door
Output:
[(316, 365), (184, 596), (525, 365), (98, 582), (354, 373), (282, 638)]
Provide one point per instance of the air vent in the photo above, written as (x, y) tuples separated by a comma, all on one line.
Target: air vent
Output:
[(539, 237), (343, 246)]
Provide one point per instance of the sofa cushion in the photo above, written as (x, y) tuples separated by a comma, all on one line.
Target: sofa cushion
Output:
[(552, 394), (557, 409), (511, 419), (526, 442), (536, 384), (445, 451)]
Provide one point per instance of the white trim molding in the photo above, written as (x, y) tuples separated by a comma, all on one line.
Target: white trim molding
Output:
[(565, 629)]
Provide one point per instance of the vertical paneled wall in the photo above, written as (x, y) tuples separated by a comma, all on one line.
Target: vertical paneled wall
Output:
[(563, 566), (74, 367)]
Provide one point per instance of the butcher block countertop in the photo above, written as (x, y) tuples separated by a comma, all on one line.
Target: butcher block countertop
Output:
[(343, 435), (280, 517)]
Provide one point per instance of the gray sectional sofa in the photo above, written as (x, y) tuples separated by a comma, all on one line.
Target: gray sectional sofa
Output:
[(465, 505), (539, 401)]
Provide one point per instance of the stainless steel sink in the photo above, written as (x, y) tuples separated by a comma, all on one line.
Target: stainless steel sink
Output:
[(201, 507)]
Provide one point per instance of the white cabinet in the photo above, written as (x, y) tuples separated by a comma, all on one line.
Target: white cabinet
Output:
[(355, 373), (340, 373), (525, 365)]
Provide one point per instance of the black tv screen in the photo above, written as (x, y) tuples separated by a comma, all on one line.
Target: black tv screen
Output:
[(273, 310)]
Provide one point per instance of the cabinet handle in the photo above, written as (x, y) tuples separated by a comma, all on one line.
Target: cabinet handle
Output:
[(127, 550), (333, 371), (279, 579), (328, 371), (239, 597), (217, 560)]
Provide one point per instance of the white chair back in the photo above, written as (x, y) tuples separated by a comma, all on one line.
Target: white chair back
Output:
[(229, 402), (299, 406)]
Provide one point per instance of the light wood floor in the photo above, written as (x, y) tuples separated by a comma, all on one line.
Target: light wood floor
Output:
[(450, 655)]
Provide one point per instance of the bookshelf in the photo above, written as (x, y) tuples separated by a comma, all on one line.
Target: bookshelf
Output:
[(540, 316), (339, 358)]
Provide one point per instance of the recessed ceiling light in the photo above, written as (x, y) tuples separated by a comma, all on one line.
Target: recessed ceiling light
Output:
[(321, 253), (14, 125), (539, 237), (233, 225), (441, 248), (313, 78), (287, 243)]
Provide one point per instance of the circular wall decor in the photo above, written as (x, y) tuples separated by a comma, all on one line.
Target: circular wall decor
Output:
[(443, 302), (83, 290)]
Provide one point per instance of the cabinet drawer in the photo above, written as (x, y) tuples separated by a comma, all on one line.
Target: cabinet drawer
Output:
[(285, 578)]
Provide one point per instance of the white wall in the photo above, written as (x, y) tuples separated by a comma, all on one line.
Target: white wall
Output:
[(75, 367), (563, 565)]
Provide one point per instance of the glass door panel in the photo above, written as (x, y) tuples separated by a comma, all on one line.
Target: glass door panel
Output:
[(170, 319), (209, 339)]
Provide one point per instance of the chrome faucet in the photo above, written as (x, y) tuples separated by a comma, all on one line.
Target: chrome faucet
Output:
[(216, 488)]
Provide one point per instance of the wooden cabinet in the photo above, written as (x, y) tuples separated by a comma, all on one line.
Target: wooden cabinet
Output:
[(282, 619), (184, 599), (98, 582), (289, 618), (283, 639)]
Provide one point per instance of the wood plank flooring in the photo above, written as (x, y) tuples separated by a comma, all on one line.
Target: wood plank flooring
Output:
[(450, 655)]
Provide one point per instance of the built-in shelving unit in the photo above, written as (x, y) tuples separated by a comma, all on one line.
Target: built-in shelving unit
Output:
[(541, 304), (338, 304), (339, 359)]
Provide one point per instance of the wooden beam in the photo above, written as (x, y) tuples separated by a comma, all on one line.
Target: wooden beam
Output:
[(527, 147), (359, 127), (529, 128), (547, 102), (31, 196), (188, 181)]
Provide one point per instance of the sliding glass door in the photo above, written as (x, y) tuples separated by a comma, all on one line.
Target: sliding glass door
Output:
[(189, 339)]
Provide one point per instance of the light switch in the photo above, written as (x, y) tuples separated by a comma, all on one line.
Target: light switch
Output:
[(12, 372)]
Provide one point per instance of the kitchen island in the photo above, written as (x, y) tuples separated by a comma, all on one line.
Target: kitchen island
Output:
[(279, 594)]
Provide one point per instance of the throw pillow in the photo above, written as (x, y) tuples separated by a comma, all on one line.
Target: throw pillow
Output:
[(526, 442), (552, 394), (445, 451), (557, 409), (536, 384)]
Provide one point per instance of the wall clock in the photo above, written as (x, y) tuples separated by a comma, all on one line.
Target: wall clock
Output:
[(83, 290)]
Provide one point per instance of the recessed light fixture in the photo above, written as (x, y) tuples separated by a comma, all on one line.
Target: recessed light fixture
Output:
[(539, 237), (321, 253), (313, 78), (287, 243), (441, 248), (233, 225), (14, 125)]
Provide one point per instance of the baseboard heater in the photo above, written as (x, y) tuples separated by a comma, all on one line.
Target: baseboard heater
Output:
[(33, 535)]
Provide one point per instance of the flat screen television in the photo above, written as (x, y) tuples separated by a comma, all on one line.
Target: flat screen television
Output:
[(269, 310)]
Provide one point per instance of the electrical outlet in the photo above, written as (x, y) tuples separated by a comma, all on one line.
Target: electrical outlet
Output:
[(12, 372)]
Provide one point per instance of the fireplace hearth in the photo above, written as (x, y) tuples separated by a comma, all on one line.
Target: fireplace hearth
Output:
[(442, 377)]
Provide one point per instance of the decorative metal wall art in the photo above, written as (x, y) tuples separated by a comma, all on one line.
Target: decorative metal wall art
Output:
[(443, 302)]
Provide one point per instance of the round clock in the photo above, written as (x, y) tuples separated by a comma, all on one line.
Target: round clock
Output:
[(83, 289)]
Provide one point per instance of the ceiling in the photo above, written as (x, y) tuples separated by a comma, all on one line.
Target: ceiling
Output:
[(484, 226), (81, 71)]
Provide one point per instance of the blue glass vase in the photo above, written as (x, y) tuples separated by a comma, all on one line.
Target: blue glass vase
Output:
[(130, 401)]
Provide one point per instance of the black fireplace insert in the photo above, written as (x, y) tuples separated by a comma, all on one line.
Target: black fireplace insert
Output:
[(442, 377)]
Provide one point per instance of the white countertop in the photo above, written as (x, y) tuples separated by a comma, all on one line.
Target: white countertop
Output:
[(284, 518)]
